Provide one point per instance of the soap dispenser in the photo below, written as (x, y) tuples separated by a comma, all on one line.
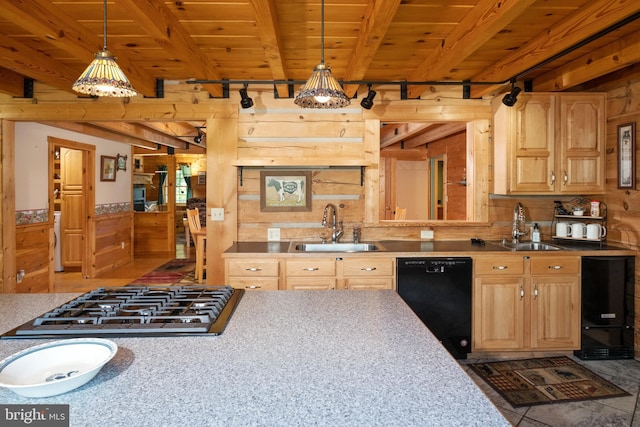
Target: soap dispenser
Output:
[(535, 236)]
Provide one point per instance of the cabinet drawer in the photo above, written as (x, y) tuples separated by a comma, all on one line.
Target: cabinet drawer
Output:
[(555, 265), (311, 267), (311, 283), (250, 268), (251, 284), (499, 266), (369, 283), (368, 266)]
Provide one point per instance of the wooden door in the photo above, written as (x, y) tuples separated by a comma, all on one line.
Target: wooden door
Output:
[(72, 220), (555, 313)]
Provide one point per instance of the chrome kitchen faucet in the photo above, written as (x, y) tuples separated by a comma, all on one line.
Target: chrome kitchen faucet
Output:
[(335, 225), (518, 223)]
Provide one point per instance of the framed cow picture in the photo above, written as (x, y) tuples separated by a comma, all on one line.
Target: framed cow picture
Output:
[(285, 191)]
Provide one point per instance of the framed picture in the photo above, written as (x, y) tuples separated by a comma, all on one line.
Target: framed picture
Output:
[(627, 155), (285, 191), (107, 168), (122, 162), (202, 178)]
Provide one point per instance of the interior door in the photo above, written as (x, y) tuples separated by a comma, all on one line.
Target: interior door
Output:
[(72, 221)]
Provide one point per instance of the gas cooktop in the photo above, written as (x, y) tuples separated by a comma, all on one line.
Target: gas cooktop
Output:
[(137, 311)]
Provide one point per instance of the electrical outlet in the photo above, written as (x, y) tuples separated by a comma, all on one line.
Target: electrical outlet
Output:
[(217, 214), (273, 234), (426, 234)]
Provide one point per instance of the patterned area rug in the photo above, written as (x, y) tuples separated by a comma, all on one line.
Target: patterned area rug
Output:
[(547, 380), (177, 271)]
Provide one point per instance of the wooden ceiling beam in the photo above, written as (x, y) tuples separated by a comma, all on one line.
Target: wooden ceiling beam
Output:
[(394, 133), (613, 57), (375, 25), (587, 21), (267, 21), (11, 83), (435, 133), (181, 130), (91, 130), (481, 24), (27, 61), (141, 132), (157, 20), (45, 21)]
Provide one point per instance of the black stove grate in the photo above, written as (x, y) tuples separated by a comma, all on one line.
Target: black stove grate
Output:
[(137, 311)]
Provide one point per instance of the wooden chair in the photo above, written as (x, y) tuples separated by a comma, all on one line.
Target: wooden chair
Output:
[(401, 213), (199, 235)]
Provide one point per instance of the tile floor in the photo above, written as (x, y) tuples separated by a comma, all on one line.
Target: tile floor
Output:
[(614, 412)]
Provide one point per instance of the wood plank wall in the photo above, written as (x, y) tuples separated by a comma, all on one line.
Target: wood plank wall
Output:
[(34, 255), (114, 241)]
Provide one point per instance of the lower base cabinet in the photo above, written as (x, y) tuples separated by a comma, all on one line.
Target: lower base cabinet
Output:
[(310, 272), (526, 303)]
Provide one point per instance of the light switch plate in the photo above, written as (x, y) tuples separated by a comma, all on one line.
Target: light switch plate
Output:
[(217, 214), (273, 234), (426, 234)]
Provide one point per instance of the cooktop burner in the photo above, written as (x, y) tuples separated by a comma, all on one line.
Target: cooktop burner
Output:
[(137, 311)]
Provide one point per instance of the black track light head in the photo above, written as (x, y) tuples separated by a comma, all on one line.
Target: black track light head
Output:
[(511, 98), (246, 102), (198, 139), (367, 102)]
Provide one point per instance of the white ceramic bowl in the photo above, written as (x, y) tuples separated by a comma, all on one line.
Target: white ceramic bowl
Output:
[(578, 212), (55, 367)]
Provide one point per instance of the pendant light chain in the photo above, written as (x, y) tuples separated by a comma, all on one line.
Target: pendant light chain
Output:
[(104, 25), (322, 33)]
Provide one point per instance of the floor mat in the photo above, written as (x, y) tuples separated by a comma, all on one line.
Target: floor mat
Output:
[(541, 381), (173, 272)]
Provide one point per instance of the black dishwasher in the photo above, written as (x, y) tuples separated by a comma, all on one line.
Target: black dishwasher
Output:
[(438, 290)]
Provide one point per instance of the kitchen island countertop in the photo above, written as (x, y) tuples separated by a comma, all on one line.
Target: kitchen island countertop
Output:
[(331, 358)]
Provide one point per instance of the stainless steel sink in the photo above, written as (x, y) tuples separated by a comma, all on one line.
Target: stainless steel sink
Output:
[(334, 247), (529, 246)]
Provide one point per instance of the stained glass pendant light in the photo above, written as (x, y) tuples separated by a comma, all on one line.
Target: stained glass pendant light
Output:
[(103, 77), (322, 90)]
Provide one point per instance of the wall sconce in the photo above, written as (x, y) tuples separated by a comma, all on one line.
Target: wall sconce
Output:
[(246, 102), (511, 98), (367, 102)]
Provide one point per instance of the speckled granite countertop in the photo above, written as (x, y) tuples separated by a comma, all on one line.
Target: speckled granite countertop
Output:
[(330, 358), (429, 248)]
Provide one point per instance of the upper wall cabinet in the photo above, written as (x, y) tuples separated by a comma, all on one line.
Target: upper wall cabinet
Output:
[(550, 143)]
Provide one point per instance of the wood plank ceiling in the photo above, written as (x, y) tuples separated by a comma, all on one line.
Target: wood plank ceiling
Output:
[(553, 45)]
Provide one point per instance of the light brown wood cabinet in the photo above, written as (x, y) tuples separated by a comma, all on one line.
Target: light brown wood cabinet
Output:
[(323, 272), (526, 303), (253, 274), (550, 143), (368, 273)]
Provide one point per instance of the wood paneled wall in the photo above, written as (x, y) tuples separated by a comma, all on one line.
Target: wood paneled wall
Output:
[(114, 241), (34, 255)]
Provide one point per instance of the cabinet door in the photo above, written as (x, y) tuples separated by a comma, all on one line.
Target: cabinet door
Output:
[(498, 313), (555, 312), (369, 283), (582, 143)]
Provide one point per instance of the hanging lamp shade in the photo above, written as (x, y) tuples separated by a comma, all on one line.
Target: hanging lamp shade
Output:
[(103, 77), (322, 90)]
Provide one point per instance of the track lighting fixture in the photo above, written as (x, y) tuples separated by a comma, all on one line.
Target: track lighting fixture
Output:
[(511, 98), (246, 102), (198, 139), (367, 102)]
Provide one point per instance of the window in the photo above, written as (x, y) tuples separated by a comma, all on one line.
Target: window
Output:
[(181, 187)]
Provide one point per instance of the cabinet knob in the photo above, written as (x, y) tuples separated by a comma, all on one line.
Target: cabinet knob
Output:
[(254, 269), (554, 267), (521, 292), (310, 269), (367, 268), (500, 267), (566, 177), (553, 177), (253, 287)]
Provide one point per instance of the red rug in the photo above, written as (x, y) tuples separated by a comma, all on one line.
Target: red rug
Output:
[(172, 272)]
